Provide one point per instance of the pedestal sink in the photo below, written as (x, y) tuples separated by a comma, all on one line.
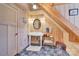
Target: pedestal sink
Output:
[(40, 34)]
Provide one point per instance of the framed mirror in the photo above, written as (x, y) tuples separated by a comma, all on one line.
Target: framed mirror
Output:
[(36, 24)]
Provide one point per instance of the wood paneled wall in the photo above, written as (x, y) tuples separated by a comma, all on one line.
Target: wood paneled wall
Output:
[(57, 33), (64, 11)]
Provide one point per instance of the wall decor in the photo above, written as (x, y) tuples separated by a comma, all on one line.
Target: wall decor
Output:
[(36, 24), (73, 12), (47, 29)]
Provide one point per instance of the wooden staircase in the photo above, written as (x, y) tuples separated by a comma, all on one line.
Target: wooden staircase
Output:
[(66, 25)]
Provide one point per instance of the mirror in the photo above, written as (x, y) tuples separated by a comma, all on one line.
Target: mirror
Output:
[(36, 24)]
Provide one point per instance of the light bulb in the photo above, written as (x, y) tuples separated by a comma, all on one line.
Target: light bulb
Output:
[(34, 6)]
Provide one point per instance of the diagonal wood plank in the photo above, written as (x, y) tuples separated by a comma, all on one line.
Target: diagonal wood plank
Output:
[(60, 20)]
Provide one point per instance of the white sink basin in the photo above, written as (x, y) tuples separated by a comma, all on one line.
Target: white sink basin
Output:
[(35, 33)]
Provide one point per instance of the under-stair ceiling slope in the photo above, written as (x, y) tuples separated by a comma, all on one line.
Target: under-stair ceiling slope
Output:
[(59, 19)]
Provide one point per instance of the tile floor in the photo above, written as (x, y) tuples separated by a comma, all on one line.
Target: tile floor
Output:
[(45, 51)]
